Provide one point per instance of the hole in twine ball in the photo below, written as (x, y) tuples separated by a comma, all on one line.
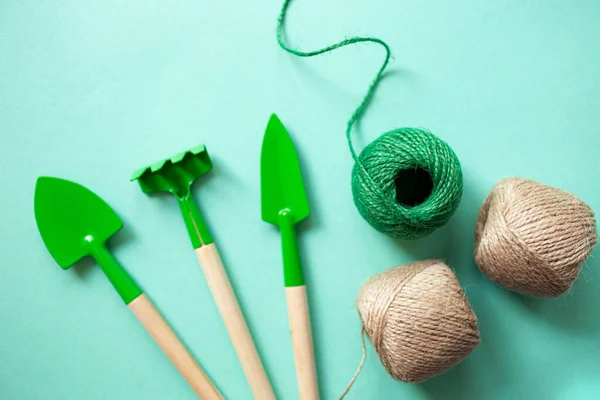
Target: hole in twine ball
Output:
[(407, 183), (533, 238), (413, 186), (418, 319)]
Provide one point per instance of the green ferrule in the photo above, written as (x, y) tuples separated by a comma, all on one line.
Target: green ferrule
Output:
[(292, 269), (193, 221), (120, 279)]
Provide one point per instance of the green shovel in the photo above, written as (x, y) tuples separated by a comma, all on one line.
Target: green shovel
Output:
[(284, 204), (75, 223)]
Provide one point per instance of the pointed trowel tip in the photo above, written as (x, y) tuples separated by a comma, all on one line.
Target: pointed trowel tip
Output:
[(275, 123), (274, 118), (275, 129)]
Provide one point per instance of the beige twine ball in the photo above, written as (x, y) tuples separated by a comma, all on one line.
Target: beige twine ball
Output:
[(532, 238), (418, 319)]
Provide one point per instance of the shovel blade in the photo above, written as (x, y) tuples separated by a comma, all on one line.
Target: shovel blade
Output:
[(71, 219), (282, 187)]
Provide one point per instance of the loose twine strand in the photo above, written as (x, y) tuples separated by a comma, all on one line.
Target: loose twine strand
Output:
[(360, 366), (346, 42)]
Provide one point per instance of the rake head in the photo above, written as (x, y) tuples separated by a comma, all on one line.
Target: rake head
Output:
[(175, 174)]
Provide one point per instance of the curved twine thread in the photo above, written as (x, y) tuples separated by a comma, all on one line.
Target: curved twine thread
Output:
[(356, 39), (360, 366), (377, 167)]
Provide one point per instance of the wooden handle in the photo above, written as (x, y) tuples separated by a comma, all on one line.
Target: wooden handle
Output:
[(304, 358), (232, 316), (164, 336)]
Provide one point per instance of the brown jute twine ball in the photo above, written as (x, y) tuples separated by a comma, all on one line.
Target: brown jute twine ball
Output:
[(418, 319), (533, 238)]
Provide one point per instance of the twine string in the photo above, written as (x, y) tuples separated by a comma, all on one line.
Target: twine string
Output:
[(346, 42)]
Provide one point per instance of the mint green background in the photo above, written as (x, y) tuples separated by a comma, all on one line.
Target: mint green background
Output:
[(92, 90)]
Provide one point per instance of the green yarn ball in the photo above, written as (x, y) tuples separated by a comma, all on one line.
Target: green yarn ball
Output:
[(407, 183)]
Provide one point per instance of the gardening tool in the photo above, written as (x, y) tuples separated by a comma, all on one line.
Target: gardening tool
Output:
[(176, 175), (284, 203), (75, 223)]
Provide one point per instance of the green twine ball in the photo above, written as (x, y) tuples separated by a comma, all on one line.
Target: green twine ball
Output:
[(407, 183)]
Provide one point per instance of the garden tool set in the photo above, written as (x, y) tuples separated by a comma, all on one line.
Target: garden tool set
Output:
[(75, 223)]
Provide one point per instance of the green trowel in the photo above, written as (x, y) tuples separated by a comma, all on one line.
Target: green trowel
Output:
[(284, 204), (75, 223), (176, 175)]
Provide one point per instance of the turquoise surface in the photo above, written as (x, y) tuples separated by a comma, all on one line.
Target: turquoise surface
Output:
[(91, 91)]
